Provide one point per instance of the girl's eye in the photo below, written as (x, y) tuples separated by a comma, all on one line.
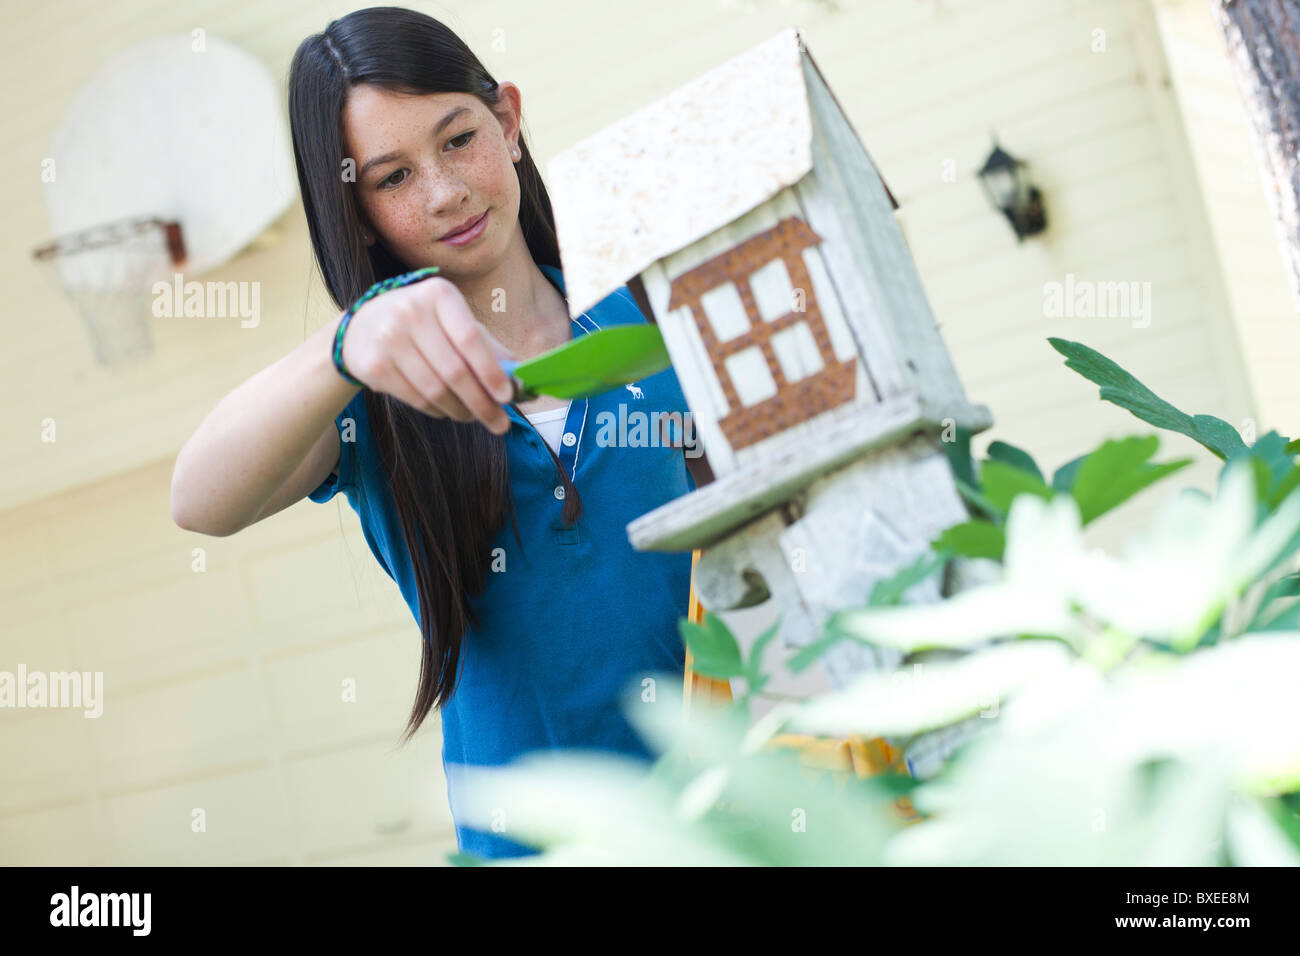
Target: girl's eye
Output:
[(388, 183)]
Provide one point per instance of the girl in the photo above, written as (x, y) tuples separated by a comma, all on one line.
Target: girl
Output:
[(409, 155)]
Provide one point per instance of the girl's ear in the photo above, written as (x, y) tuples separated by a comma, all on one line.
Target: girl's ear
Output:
[(509, 113)]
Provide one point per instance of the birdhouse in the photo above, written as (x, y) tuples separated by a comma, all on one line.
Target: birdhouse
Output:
[(766, 244)]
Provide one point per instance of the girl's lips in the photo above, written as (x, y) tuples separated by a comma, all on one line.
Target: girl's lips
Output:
[(470, 234)]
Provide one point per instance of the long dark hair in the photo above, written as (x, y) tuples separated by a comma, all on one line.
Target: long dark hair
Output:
[(449, 480)]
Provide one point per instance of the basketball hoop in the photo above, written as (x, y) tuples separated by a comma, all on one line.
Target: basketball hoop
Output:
[(147, 146), (108, 272)]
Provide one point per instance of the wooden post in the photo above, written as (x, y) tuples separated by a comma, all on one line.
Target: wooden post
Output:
[(697, 687)]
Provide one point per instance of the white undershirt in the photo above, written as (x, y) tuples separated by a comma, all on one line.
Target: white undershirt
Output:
[(550, 424)]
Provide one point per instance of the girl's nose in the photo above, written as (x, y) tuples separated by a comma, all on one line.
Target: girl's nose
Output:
[(446, 194)]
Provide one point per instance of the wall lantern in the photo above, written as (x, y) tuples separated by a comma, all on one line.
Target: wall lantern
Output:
[(1006, 183)]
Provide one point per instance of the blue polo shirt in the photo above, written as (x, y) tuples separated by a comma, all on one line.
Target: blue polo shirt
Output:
[(579, 618)]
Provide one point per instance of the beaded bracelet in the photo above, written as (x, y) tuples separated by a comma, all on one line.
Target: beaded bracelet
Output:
[(384, 285)]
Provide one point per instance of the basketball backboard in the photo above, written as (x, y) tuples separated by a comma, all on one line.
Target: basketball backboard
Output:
[(173, 156)]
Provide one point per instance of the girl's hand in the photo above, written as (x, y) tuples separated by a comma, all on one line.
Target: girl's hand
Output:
[(422, 345)]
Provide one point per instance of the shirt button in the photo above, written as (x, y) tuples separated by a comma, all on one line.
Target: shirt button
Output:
[(570, 438), (559, 492)]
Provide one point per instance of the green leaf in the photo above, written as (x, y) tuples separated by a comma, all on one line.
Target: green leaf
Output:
[(877, 703), (1284, 815), (1288, 586), (832, 634), (1002, 482), (1121, 388), (1017, 457), (1285, 587), (972, 539), (1287, 620), (465, 859), (1276, 474), (811, 652), (976, 500), (713, 647), (890, 590), (1116, 471), (753, 668), (1215, 434), (1209, 638), (1289, 482), (959, 456), (1063, 480), (1263, 478), (885, 592), (595, 362), (1271, 447)]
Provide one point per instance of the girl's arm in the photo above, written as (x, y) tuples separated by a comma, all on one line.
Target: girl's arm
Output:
[(273, 439), (266, 445)]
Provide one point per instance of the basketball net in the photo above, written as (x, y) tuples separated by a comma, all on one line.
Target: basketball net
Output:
[(108, 272)]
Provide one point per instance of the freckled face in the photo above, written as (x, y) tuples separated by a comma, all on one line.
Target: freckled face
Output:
[(445, 159)]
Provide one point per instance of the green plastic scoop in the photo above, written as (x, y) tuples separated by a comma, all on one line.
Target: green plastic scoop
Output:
[(591, 364)]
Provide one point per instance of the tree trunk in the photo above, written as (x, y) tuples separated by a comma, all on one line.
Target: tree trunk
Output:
[(1263, 39)]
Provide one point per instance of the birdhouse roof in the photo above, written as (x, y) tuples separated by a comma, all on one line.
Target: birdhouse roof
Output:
[(682, 167)]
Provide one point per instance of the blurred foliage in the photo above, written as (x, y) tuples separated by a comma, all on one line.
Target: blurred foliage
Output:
[(1090, 708)]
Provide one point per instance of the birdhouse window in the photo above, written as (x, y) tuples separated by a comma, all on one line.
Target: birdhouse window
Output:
[(779, 369), (725, 311), (797, 352), (748, 370), (773, 292)]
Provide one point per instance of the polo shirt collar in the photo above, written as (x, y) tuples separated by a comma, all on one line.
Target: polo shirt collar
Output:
[(572, 438)]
